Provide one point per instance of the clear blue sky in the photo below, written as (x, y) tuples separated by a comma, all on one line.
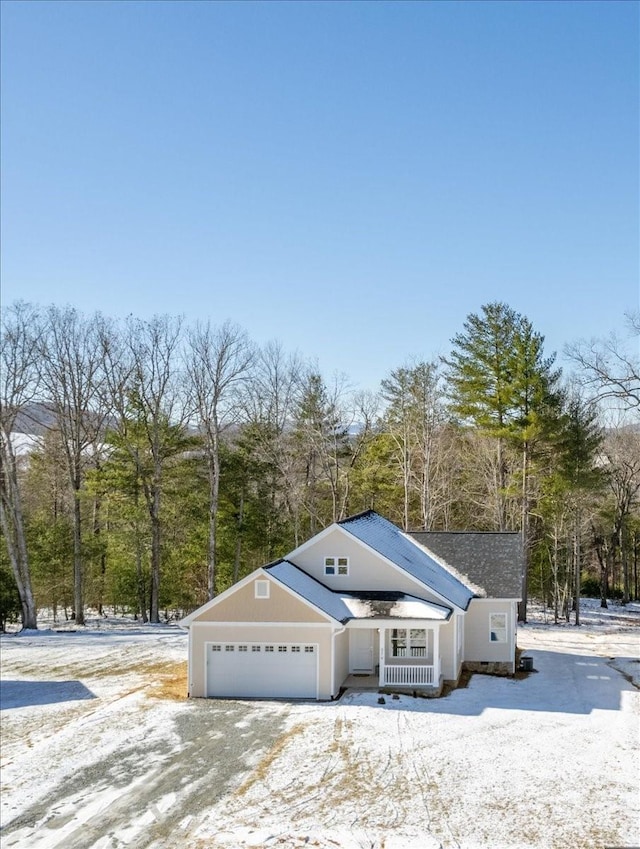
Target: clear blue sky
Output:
[(352, 179)]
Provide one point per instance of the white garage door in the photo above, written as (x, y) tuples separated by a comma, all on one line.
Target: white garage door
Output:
[(267, 670)]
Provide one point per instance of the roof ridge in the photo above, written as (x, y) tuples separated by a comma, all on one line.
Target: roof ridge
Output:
[(476, 533), (356, 516)]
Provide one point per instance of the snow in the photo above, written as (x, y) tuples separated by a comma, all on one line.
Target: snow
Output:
[(546, 760)]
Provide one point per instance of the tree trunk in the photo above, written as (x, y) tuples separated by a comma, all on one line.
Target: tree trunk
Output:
[(577, 563), (236, 560), (154, 607), (626, 587), (522, 608), (78, 600)]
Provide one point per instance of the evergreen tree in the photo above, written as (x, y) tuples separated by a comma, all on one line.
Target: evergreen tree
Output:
[(500, 381)]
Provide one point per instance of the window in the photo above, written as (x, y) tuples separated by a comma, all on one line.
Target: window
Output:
[(261, 589), (268, 648), (498, 627), (255, 648), (242, 648), (309, 649), (336, 565), (229, 648), (282, 648), (216, 648), (408, 642), (295, 648)]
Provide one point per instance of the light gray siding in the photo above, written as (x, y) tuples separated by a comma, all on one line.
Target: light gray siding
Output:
[(478, 646)]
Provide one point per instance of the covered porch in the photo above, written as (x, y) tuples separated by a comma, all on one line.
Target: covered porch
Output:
[(395, 654)]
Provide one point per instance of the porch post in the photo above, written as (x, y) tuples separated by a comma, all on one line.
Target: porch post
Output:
[(383, 642), (436, 655)]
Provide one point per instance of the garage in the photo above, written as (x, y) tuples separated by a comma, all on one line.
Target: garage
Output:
[(262, 670)]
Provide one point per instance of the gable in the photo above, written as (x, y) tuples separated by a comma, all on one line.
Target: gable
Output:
[(398, 547), (241, 605), (368, 570)]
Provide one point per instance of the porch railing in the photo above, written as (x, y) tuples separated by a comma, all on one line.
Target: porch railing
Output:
[(407, 675)]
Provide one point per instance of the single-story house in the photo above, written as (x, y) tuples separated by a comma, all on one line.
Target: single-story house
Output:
[(361, 597)]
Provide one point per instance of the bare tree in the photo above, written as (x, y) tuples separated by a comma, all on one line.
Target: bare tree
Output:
[(147, 395), (19, 373), (270, 400), (218, 364), (71, 379), (414, 419), (608, 368)]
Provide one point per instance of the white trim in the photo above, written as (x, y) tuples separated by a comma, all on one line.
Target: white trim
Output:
[(261, 584), (278, 624), (186, 621), (314, 540), (336, 565), (504, 627), (395, 623), (492, 599)]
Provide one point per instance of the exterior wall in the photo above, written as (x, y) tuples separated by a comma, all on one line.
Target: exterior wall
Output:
[(201, 633), (341, 661), (447, 650), (478, 647), (243, 606), (367, 570)]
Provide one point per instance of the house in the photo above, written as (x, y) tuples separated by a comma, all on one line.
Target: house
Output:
[(361, 598)]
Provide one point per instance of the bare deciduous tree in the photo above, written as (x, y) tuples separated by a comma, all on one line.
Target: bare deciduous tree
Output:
[(71, 364), (19, 372), (218, 364), (608, 368)]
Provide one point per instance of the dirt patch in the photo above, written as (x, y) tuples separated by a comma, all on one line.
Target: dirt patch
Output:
[(169, 680)]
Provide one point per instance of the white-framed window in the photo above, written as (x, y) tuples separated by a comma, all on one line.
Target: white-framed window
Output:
[(268, 648), (216, 648), (242, 648), (498, 627), (255, 648), (261, 588), (229, 648), (295, 648), (282, 648), (408, 642), (336, 565), (309, 649)]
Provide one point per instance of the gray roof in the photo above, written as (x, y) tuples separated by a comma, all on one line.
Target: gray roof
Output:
[(346, 606), (310, 589), (491, 560), (388, 540)]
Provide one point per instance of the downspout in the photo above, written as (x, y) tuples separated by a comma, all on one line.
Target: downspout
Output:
[(335, 634)]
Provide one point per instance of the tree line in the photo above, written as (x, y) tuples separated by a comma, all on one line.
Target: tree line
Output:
[(148, 465)]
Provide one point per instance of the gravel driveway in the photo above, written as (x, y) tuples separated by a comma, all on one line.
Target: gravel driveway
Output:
[(147, 765)]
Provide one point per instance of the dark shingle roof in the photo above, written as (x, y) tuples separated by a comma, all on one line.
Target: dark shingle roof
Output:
[(388, 540), (493, 561)]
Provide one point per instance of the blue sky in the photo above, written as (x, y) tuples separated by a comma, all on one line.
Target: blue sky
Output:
[(352, 179)]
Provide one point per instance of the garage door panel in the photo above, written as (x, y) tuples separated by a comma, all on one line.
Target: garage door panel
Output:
[(262, 670)]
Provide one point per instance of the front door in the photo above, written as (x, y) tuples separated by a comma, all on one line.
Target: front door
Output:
[(361, 650)]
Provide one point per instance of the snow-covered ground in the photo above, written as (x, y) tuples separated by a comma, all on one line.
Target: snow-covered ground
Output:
[(100, 749)]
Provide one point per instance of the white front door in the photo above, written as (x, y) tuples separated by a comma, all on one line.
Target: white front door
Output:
[(361, 650)]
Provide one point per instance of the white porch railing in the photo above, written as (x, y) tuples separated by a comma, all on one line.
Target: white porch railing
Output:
[(407, 675)]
